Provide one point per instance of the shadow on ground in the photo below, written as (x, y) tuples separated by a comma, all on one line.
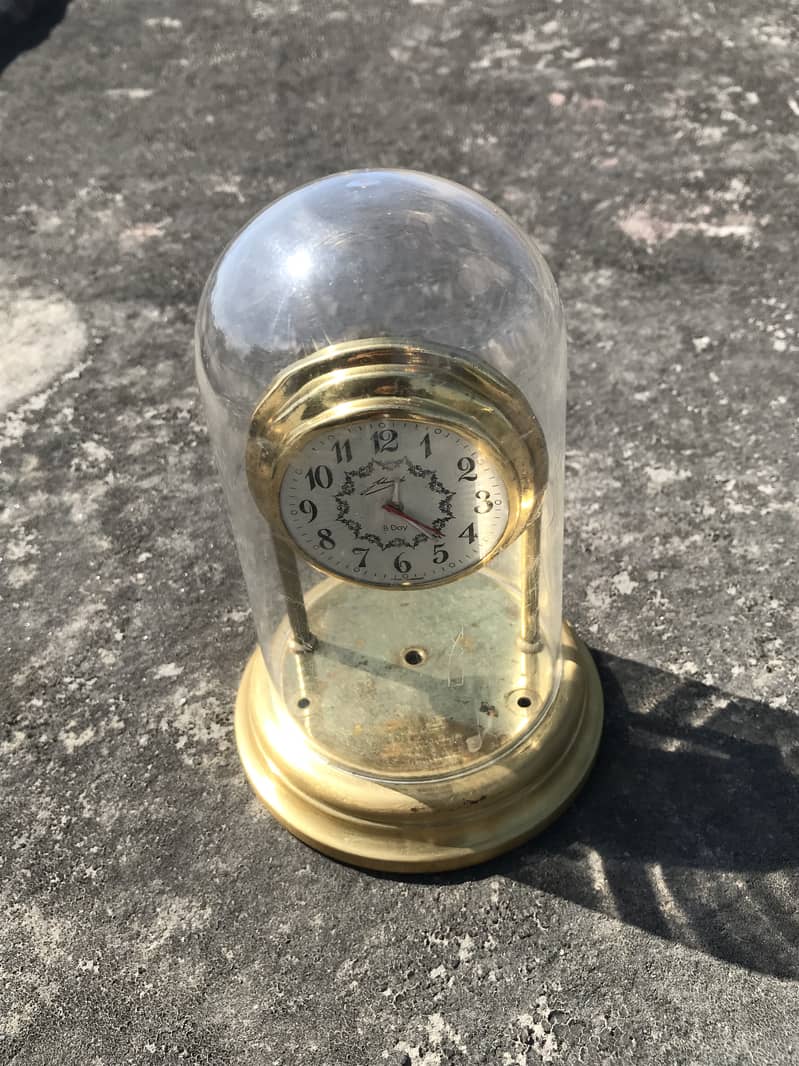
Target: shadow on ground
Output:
[(687, 827), (25, 24)]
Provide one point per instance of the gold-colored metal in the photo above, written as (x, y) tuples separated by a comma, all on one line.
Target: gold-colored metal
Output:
[(395, 753), (531, 551), (383, 378), (302, 637), (421, 775)]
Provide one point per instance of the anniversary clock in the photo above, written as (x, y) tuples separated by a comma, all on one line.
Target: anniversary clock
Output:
[(381, 355)]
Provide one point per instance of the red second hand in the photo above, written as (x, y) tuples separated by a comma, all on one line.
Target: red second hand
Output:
[(431, 532)]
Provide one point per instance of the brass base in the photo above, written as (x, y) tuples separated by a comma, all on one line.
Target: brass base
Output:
[(415, 824)]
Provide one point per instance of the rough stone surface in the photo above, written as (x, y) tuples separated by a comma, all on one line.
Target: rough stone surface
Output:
[(151, 911)]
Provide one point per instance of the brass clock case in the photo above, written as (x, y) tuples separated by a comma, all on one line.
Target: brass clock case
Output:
[(365, 743), (358, 381)]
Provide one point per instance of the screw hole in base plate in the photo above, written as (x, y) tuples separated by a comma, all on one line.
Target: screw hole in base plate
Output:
[(414, 656)]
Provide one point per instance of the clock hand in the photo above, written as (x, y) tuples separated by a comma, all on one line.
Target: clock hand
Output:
[(429, 530)]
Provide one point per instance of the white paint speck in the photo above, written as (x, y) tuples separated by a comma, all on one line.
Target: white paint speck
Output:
[(135, 236), (96, 453), (644, 227), (430, 1058), (169, 670), (41, 335), (163, 24), (624, 584), (597, 594), (230, 187), (439, 1030), (466, 949), (665, 475), (72, 740), (130, 94), (15, 743)]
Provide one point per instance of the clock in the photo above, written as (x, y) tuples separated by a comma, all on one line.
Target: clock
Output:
[(416, 701), (394, 502)]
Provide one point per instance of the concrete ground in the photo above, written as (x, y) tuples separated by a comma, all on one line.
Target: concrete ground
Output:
[(151, 911)]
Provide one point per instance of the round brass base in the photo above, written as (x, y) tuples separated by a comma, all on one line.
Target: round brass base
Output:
[(415, 825)]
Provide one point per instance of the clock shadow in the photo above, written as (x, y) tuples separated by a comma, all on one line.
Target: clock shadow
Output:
[(472, 725), (687, 826), (25, 24)]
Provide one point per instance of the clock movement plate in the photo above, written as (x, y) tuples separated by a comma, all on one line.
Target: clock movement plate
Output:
[(418, 742)]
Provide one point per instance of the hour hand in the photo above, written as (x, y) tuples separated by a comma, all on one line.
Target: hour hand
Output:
[(429, 531)]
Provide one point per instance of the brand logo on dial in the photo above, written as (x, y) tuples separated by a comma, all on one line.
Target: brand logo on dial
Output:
[(386, 478), (380, 484)]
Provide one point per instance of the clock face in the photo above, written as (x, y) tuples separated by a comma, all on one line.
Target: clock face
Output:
[(392, 502)]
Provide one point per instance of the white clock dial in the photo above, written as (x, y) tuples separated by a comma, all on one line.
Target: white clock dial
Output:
[(394, 502)]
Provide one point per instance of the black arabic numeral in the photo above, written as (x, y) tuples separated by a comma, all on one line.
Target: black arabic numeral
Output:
[(319, 477), (469, 533), (426, 445), (401, 565), (325, 539), (467, 465), (363, 552), (343, 451), (484, 505), (440, 555), (385, 440), (309, 507)]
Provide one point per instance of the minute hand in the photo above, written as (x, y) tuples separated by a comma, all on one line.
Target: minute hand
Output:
[(428, 530)]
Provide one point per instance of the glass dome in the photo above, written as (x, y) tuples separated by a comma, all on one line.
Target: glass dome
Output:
[(366, 313)]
